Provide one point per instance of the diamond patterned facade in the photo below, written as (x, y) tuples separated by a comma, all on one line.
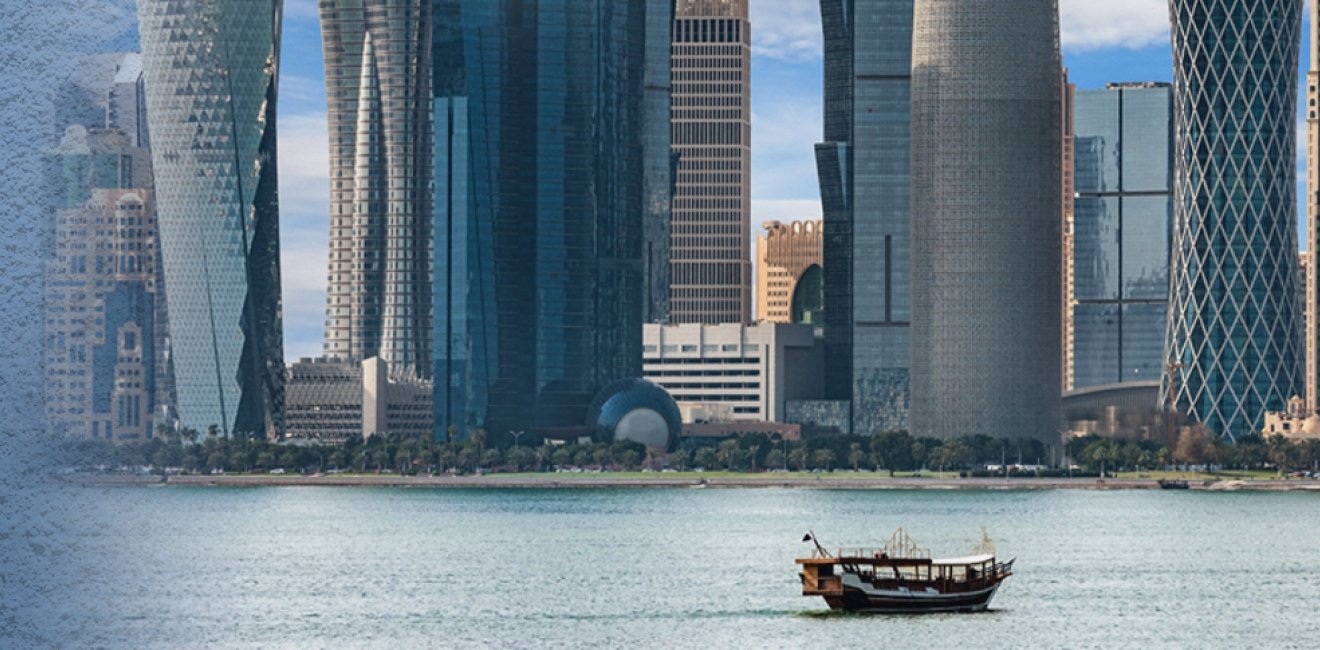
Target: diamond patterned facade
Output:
[(986, 186), (211, 78), (378, 85), (1234, 322)]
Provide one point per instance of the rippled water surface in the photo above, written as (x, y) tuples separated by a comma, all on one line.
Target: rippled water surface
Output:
[(327, 567)]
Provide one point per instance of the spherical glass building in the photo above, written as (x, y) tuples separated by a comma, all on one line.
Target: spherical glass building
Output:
[(636, 410), (1235, 324)]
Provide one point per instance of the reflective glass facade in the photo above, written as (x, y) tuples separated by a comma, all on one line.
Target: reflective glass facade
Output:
[(543, 133), (1234, 317), (986, 200), (1122, 225), (211, 77), (863, 165)]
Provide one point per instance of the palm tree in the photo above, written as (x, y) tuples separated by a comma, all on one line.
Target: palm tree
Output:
[(856, 455)]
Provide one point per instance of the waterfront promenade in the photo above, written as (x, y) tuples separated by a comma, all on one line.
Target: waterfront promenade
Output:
[(862, 481)]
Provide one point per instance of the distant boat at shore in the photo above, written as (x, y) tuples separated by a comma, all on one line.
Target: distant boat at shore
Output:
[(1174, 484), (902, 578)]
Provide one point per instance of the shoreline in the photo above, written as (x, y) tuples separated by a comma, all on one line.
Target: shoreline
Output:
[(495, 481)]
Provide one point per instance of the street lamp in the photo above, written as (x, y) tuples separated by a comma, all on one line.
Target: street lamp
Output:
[(516, 435)]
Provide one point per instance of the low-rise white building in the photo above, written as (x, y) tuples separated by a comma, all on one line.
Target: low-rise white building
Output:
[(328, 400), (732, 372)]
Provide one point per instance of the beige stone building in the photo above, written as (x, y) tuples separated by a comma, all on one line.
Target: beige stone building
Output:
[(710, 113), (788, 254), (329, 401)]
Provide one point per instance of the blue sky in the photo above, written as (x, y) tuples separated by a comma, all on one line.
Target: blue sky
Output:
[(1104, 41)]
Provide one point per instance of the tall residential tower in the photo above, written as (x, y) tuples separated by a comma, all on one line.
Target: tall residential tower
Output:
[(378, 87), (864, 165), (211, 72), (712, 139), (986, 179), (1235, 334)]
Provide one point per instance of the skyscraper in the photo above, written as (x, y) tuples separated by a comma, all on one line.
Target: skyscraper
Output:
[(1233, 322), (712, 126), (211, 71), (1311, 285), (542, 114), (1124, 219), (864, 169), (378, 86), (986, 184)]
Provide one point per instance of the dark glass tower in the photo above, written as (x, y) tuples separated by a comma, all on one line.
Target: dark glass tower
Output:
[(1123, 222), (543, 171), (864, 166), (1235, 325), (211, 70)]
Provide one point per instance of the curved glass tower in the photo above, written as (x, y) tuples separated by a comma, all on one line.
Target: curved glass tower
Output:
[(986, 196), (211, 69), (1234, 321)]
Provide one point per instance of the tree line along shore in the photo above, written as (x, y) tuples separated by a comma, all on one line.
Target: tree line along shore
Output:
[(890, 454)]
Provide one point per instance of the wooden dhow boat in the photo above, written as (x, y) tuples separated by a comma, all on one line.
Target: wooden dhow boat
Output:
[(902, 578)]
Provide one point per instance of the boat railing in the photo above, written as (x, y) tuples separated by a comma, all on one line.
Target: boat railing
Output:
[(862, 552)]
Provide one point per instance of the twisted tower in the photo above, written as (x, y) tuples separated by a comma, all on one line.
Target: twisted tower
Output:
[(211, 72), (378, 88), (986, 179), (1234, 323)]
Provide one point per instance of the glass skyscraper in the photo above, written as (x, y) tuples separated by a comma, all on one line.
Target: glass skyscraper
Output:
[(378, 87), (544, 133), (864, 165), (1123, 219), (211, 69), (1235, 327)]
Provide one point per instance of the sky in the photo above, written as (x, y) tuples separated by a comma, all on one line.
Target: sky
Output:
[(1103, 41)]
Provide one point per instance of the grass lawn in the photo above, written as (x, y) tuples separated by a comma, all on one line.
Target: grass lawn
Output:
[(1240, 475), (696, 476)]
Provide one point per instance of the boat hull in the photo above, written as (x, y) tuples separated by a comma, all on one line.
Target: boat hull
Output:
[(860, 595)]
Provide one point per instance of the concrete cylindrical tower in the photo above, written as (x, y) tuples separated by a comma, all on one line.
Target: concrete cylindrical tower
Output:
[(986, 199)]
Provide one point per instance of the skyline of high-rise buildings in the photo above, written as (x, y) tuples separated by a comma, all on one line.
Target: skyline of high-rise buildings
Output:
[(693, 69), (711, 114), (1235, 332), (986, 195), (211, 73), (378, 91)]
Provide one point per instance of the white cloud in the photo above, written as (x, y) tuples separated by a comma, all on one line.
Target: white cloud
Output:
[(304, 233), (790, 30), (784, 133), (300, 9), (1103, 24), (787, 29)]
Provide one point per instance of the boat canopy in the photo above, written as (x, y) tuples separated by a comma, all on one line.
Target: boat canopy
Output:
[(971, 559)]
